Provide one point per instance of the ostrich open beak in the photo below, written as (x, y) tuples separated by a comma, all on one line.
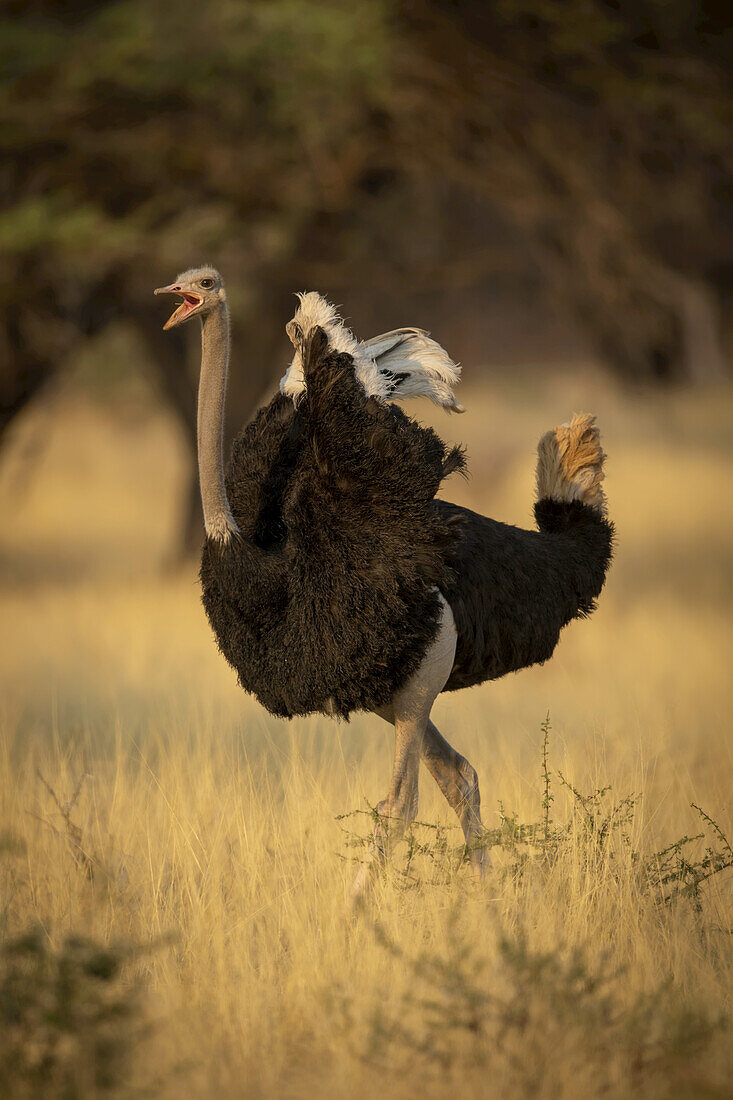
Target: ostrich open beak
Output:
[(188, 306)]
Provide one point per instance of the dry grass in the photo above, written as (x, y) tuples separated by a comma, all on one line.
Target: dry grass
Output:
[(202, 818)]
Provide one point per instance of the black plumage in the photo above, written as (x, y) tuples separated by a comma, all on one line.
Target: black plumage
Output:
[(512, 591), (329, 600)]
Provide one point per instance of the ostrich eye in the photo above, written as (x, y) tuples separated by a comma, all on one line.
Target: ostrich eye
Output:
[(206, 284)]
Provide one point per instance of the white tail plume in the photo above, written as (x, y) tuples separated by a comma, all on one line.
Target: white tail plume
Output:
[(570, 463)]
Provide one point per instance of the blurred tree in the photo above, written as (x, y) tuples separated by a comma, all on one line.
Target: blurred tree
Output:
[(288, 139), (602, 130), (139, 137)]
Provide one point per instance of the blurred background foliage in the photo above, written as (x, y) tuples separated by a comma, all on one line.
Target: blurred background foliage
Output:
[(484, 169)]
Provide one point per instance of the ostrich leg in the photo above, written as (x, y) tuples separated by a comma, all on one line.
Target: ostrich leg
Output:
[(410, 712), (458, 781)]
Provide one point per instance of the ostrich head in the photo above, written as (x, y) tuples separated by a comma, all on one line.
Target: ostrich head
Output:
[(201, 290)]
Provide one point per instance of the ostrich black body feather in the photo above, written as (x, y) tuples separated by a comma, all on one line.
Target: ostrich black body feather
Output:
[(329, 599), (512, 591)]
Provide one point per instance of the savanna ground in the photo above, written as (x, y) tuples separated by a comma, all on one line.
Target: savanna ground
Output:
[(145, 801)]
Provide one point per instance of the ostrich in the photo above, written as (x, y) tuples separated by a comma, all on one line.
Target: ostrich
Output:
[(332, 577)]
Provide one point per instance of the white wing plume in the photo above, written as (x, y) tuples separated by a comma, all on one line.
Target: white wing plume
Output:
[(403, 363), (417, 365)]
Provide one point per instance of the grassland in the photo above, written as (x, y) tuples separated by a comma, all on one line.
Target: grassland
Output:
[(209, 830)]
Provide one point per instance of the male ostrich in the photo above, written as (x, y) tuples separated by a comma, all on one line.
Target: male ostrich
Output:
[(333, 579)]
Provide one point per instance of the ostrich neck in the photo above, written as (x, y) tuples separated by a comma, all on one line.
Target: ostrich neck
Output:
[(218, 519)]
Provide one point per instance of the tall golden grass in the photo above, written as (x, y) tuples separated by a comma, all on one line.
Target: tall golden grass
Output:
[(210, 829)]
